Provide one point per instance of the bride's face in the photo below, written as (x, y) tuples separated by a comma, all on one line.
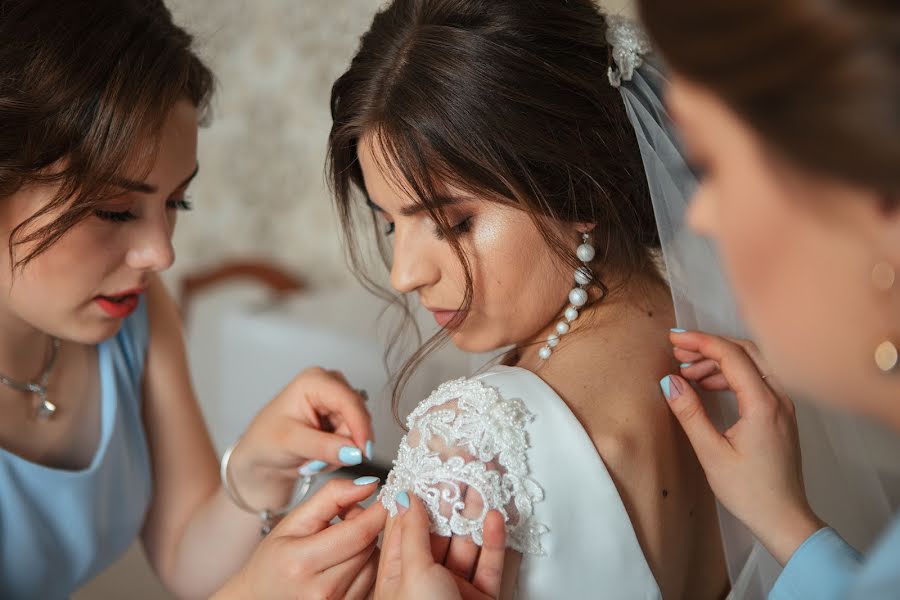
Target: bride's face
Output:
[(799, 250), (519, 284)]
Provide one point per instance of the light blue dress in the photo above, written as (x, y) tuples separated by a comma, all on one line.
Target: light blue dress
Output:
[(60, 528), (825, 567)]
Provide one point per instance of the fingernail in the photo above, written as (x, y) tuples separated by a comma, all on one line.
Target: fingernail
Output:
[(366, 480), (350, 455), (670, 387), (686, 365), (370, 450), (402, 498), (678, 330), (310, 469)]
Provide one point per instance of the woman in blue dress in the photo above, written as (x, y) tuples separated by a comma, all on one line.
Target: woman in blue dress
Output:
[(101, 438), (791, 113)]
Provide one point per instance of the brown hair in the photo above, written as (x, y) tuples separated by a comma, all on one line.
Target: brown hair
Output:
[(509, 101), (81, 82), (820, 81)]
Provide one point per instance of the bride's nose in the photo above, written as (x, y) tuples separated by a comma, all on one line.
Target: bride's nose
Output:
[(414, 265)]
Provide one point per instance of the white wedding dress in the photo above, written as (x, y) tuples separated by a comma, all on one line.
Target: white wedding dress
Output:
[(504, 440)]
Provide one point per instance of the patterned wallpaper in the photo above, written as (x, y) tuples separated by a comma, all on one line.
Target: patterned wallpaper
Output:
[(261, 189)]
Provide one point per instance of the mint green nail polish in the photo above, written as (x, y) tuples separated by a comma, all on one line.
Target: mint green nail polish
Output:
[(686, 365), (370, 450), (402, 498), (365, 481), (310, 469), (350, 455), (678, 330), (666, 384)]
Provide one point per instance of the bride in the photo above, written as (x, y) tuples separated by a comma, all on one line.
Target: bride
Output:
[(492, 144)]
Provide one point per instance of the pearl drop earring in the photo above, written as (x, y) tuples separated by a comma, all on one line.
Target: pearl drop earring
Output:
[(578, 297), (887, 356)]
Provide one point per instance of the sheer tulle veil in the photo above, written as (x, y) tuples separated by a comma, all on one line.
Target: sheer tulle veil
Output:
[(846, 461)]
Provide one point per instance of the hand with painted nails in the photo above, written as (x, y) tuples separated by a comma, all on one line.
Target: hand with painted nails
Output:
[(307, 557), (408, 570), (317, 423), (754, 468)]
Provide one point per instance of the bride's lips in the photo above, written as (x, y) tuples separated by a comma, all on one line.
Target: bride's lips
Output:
[(445, 317), (121, 304)]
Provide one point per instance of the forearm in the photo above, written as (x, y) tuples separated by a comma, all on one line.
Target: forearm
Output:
[(220, 535), (215, 543)]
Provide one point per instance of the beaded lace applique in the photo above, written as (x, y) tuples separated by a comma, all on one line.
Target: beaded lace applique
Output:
[(465, 456), (629, 46)]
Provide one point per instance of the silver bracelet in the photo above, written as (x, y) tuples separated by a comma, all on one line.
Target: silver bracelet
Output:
[(268, 516)]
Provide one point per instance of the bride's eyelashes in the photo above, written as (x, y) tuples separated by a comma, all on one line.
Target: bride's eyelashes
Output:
[(124, 216), (462, 227), (389, 230)]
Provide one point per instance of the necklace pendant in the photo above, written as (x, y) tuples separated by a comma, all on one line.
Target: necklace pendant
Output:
[(45, 410)]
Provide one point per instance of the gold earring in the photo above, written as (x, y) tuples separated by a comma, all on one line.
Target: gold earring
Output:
[(886, 355)]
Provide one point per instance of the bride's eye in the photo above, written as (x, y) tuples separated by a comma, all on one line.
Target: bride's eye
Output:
[(462, 227)]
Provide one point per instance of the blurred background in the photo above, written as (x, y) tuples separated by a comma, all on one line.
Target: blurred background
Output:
[(260, 272)]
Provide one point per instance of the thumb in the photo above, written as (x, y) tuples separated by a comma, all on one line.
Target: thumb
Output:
[(708, 443), (415, 536), (315, 514)]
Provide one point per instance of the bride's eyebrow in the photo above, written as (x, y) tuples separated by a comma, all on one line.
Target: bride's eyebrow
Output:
[(438, 203)]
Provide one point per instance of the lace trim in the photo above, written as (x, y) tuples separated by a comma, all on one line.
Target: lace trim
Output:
[(472, 417)]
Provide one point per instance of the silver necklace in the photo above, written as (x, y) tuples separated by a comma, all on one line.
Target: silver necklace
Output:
[(45, 409)]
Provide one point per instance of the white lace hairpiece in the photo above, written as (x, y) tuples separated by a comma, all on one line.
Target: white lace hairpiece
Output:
[(464, 456), (629, 46)]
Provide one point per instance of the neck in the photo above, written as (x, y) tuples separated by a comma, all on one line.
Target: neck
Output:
[(644, 300), (23, 348)]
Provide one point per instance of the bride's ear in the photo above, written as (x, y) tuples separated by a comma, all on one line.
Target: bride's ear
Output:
[(585, 227)]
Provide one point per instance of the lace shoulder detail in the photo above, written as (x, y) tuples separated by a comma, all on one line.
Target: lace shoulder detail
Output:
[(465, 455)]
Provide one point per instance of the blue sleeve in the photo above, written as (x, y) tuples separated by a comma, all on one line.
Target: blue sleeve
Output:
[(821, 568)]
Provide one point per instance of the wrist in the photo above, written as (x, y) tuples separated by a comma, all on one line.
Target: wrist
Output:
[(784, 538), (259, 486)]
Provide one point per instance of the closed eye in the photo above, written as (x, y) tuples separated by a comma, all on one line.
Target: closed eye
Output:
[(124, 216)]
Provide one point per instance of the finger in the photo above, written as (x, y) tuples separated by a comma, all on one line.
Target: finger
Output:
[(346, 539), (439, 547), (340, 577), (714, 383), (766, 371), (735, 364), (708, 443), (461, 556), (331, 448), (352, 512), (391, 567), (314, 515), (364, 582), (488, 575), (700, 369), (463, 552), (336, 398), (686, 356), (415, 543)]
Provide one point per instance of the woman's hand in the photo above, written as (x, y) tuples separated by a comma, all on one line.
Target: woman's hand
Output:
[(754, 468), (319, 422), (409, 571), (305, 557)]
